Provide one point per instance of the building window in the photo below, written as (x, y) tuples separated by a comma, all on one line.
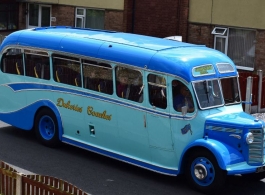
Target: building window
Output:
[(39, 15), (89, 18), (238, 44), (8, 16)]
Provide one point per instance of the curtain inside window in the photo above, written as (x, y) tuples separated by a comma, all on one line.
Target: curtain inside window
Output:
[(241, 47), (95, 19)]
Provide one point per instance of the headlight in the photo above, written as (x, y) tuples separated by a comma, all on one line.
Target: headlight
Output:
[(249, 138)]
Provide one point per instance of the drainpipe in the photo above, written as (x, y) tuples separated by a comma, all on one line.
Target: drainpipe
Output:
[(178, 17), (248, 101), (260, 89)]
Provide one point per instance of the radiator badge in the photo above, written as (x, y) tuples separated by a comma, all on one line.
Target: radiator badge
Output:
[(235, 136)]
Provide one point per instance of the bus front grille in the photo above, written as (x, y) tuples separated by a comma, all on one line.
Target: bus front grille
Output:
[(257, 147)]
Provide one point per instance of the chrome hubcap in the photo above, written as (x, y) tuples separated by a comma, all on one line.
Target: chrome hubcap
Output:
[(200, 171)]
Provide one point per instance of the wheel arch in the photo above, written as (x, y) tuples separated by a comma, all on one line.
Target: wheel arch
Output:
[(222, 153), (51, 106)]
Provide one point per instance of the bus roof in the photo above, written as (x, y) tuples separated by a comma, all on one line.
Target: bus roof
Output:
[(173, 57)]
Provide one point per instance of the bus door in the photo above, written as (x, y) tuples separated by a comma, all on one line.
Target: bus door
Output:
[(157, 116), (131, 115), (181, 125)]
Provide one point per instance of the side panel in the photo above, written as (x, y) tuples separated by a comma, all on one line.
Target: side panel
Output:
[(9, 101), (100, 116), (133, 134)]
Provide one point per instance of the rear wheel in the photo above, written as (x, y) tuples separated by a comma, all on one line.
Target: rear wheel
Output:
[(46, 128), (203, 172)]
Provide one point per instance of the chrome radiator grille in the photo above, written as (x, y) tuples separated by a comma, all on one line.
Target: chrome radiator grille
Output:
[(257, 147)]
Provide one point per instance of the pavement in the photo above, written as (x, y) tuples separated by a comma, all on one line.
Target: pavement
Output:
[(260, 116)]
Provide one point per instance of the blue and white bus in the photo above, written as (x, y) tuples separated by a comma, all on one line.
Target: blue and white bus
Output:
[(163, 105)]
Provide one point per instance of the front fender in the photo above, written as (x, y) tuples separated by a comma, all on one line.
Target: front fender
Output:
[(224, 154)]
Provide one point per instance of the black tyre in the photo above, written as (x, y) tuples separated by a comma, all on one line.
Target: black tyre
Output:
[(203, 172), (46, 128)]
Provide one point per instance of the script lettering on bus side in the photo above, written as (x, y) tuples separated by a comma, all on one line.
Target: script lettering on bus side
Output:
[(103, 115), (68, 105)]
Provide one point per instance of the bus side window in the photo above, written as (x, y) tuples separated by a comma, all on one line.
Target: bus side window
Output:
[(105, 78), (181, 96), (98, 76), (67, 70), (12, 62), (91, 75), (129, 84), (157, 91), (37, 66)]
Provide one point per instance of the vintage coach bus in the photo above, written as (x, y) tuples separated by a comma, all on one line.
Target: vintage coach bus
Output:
[(163, 105)]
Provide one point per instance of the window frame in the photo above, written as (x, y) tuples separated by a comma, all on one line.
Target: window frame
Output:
[(66, 69), (80, 16), (17, 61), (136, 90), (225, 35), (99, 83), (158, 87), (219, 28), (226, 42), (29, 69), (83, 17), (39, 15)]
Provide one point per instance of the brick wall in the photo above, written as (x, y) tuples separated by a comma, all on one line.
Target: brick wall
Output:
[(128, 15), (157, 18), (260, 51), (22, 16), (201, 34), (114, 20), (65, 15)]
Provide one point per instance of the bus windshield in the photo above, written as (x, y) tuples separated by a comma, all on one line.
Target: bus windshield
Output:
[(230, 89), (211, 93)]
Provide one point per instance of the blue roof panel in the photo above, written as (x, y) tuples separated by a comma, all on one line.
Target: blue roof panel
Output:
[(157, 54)]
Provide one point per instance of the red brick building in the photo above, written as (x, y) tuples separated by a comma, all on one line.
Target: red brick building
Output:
[(148, 17), (223, 25), (157, 18), (236, 28)]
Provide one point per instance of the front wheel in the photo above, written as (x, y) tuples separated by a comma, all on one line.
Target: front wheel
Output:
[(203, 172), (46, 128)]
